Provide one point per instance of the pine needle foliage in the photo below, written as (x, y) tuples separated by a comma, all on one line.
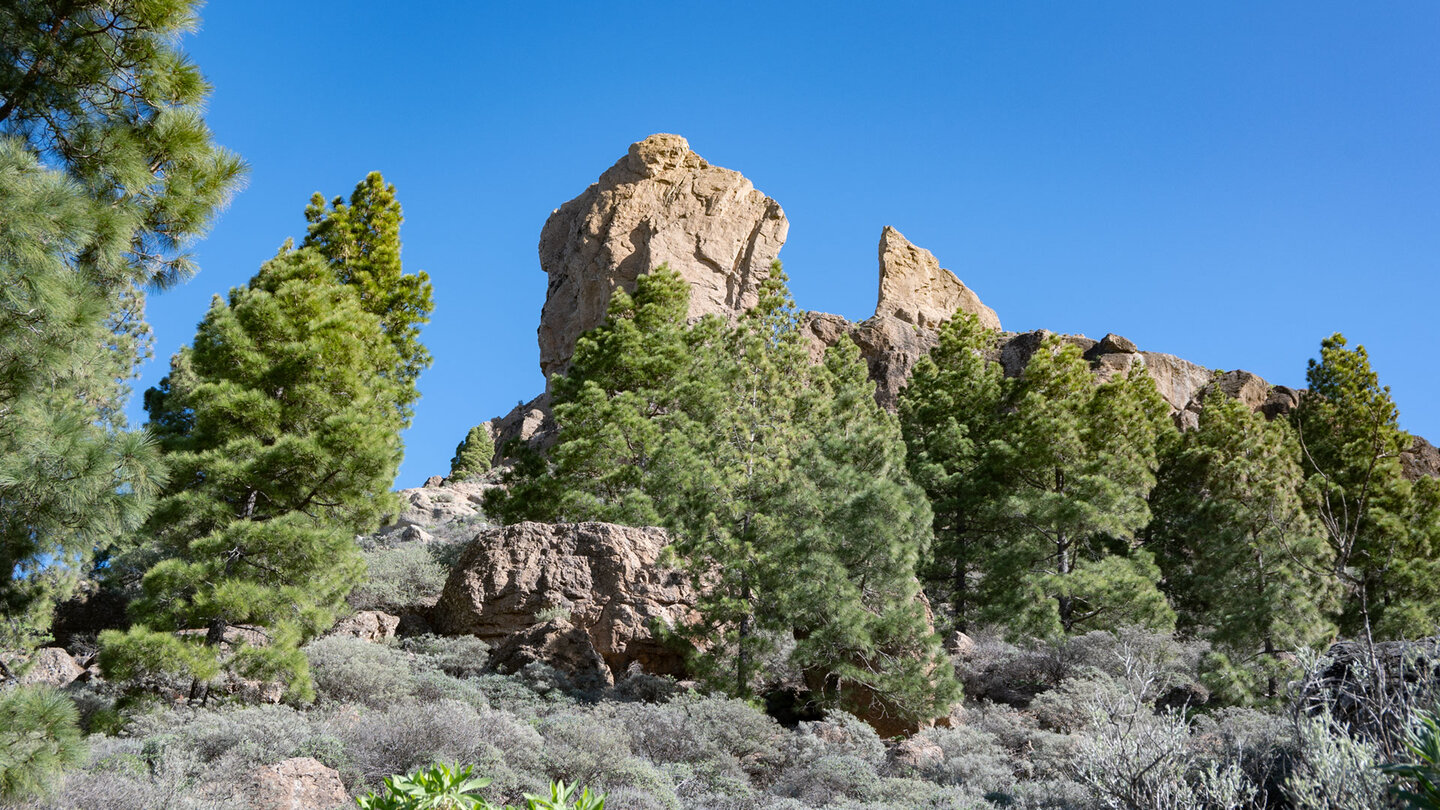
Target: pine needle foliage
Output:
[(1383, 531), (361, 241), (781, 481), (107, 173), (474, 454), (1244, 564), (39, 738), (282, 432)]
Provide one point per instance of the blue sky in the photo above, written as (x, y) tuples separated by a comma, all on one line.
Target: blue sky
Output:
[(1229, 182)]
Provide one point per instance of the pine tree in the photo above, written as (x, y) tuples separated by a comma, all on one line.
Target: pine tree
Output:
[(39, 738), (69, 482), (361, 240), (949, 413), (761, 465), (1244, 564), (107, 171), (283, 437), (1382, 530), (862, 529), (1080, 459), (473, 455)]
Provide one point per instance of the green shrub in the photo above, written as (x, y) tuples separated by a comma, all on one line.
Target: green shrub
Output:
[(443, 787), (39, 738), (1421, 771), (1335, 771), (406, 736), (830, 780), (399, 579), (348, 670), (439, 787), (457, 656), (473, 454)]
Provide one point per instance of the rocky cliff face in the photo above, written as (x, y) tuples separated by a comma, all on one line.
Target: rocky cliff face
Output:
[(660, 204)]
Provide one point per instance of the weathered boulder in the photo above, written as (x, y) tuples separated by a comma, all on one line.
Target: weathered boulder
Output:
[(51, 666), (367, 625), (915, 756), (302, 783), (660, 204), (915, 289), (608, 578), (559, 644), (1361, 685), (436, 503)]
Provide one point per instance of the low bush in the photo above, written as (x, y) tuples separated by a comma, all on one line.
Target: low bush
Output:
[(456, 656), (348, 670), (399, 578)]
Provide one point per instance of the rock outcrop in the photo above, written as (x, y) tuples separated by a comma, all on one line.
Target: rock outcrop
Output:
[(302, 783), (438, 502), (559, 644), (914, 288), (51, 666), (367, 625), (916, 296), (607, 581), (660, 204)]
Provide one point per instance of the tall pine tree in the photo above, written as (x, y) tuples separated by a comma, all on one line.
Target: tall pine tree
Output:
[(107, 171), (1080, 461), (949, 414), (282, 433), (1244, 565), (762, 465), (361, 240), (1382, 529)]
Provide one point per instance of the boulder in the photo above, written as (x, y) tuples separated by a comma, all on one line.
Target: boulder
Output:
[(608, 578), (559, 644), (51, 666), (1115, 344), (437, 503), (301, 783), (914, 756), (660, 204), (367, 625), (914, 288)]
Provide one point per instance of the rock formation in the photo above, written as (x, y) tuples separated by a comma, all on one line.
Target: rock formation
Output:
[(608, 579), (559, 644), (661, 203), (914, 287), (301, 783)]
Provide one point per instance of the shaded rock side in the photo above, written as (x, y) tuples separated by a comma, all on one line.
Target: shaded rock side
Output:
[(661, 203), (914, 288), (608, 579), (556, 643)]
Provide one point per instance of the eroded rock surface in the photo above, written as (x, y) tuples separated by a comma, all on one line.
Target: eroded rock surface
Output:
[(606, 580), (302, 783), (559, 644), (914, 288), (367, 625), (660, 204)]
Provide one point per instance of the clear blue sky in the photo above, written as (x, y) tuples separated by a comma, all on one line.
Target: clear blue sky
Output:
[(1229, 182)]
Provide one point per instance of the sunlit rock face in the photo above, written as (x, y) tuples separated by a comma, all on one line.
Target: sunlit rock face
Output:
[(660, 204)]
